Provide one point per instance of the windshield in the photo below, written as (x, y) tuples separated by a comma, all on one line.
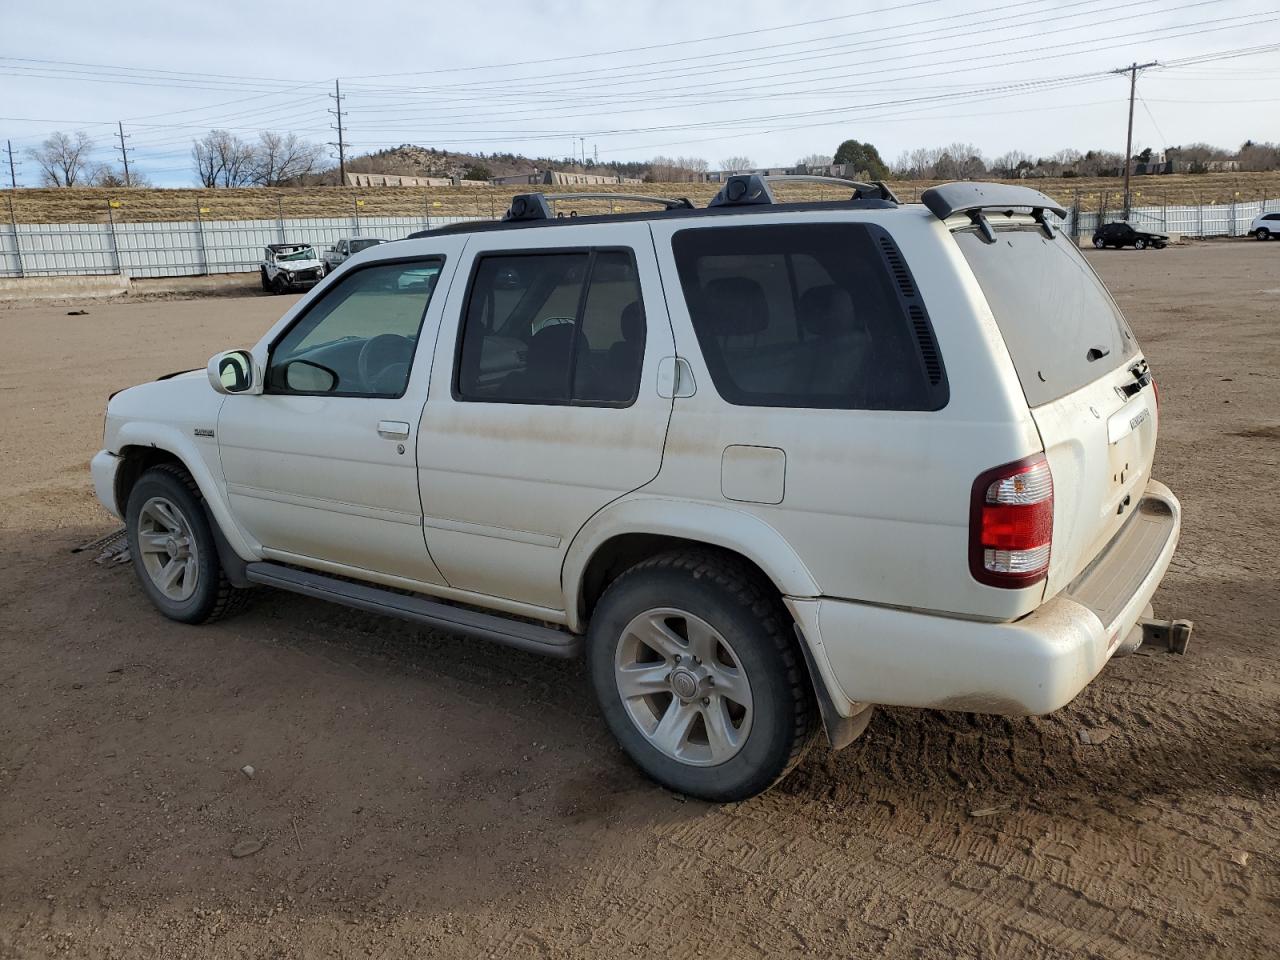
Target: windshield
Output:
[(1059, 323), (358, 245), (302, 253)]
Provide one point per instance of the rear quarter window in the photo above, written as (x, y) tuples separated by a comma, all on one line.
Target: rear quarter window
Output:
[(809, 315), (1052, 310)]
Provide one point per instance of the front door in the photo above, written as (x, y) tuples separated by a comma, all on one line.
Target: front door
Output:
[(544, 404), (320, 467)]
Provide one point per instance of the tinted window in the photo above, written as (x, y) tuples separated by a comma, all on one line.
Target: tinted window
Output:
[(358, 245), (1272, 216), (553, 328), (359, 338), (799, 315), (1051, 308)]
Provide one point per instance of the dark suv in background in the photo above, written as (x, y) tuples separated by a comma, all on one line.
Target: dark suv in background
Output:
[(1120, 234)]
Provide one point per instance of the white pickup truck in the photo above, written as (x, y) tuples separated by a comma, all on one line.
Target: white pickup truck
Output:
[(338, 254), (766, 464)]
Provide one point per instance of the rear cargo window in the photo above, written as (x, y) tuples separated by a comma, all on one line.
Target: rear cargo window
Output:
[(809, 315), (1052, 310)]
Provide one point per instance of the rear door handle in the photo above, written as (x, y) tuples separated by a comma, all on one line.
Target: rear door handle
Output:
[(393, 429)]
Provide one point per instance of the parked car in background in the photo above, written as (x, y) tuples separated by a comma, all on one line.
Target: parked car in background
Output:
[(724, 453), (1265, 226), (289, 266), (340, 251), (1120, 234)]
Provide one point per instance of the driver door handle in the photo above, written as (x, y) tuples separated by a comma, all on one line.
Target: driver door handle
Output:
[(393, 429)]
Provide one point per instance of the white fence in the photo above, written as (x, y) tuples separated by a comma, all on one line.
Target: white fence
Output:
[(194, 247), (179, 248)]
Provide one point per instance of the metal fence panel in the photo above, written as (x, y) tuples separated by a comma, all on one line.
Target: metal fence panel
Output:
[(193, 247)]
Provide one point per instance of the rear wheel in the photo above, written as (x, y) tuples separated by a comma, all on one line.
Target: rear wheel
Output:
[(698, 676), (173, 549), (1262, 233), (1099, 243), (262, 274)]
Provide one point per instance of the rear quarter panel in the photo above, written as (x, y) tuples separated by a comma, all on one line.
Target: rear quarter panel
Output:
[(875, 503)]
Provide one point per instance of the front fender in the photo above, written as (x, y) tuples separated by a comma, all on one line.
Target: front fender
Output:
[(715, 524), (197, 457)]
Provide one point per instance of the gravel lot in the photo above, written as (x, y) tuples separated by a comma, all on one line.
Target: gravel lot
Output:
[(420, 795)]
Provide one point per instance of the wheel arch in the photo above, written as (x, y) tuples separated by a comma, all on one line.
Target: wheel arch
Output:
[(630, 531), (143, 446)]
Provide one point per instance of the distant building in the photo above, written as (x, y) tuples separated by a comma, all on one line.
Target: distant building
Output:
[(562, 178), (395, 180)]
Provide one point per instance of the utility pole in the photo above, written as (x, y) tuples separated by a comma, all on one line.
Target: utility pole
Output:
[(1132, 71), (338, 112), (124, 153), (13, 176)]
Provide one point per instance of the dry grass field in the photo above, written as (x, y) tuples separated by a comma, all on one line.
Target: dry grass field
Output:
[(91, 205), (418, 795)]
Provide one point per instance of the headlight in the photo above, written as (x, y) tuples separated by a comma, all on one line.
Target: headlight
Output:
[(288, 274)]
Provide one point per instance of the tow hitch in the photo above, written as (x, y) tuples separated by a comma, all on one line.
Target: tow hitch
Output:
[(1171, 635)]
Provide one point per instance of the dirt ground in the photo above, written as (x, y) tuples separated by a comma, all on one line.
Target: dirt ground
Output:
[(420, 795)]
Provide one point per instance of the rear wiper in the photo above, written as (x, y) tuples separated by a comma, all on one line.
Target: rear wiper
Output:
[(1097, 353)]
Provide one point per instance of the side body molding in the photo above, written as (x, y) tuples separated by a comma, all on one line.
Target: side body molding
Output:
[(716, 524)]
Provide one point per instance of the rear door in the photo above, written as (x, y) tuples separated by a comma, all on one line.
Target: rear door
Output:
[(1084, 378), (544, 402)]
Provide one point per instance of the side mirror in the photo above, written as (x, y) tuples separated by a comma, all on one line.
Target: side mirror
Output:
[(235, 371)]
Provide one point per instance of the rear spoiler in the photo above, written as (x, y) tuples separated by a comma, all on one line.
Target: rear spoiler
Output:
[(974, 198)]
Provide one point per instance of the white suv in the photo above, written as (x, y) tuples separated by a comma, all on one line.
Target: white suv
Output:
[(1265, 226), (766, 464)]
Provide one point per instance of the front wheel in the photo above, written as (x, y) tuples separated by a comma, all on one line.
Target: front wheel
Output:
[(173, 550), (697, 673), (1262, 233), (1139, 244), (279, 285)]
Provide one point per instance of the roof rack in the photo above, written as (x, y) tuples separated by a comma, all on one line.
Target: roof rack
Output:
[(537, 206), (752, 188)]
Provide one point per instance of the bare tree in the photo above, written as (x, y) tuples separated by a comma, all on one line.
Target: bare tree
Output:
[(814, 160), (1011, 164), (106, 175), (737, 164), (223, 160), (675, 169), (63, 158), (282, 157)]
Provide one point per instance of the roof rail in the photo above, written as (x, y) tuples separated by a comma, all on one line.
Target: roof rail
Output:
[(753, 188), (537, 206)]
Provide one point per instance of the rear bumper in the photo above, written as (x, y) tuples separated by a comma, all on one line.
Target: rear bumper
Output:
[(868, 654)]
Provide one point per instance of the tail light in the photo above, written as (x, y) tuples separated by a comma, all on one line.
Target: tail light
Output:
[(1155, 391), (1011, 524)]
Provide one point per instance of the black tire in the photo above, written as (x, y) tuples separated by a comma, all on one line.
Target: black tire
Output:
[(266, 284), (214, 597), (1099, 243), (279, 285), (1262, 233), (722, 592)]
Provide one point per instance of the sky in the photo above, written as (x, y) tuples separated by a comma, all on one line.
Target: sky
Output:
[(770, 82)]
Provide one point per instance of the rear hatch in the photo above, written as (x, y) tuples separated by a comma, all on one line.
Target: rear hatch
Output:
[(1084, 378)]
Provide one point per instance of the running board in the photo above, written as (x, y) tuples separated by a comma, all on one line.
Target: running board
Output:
[(418, 609)]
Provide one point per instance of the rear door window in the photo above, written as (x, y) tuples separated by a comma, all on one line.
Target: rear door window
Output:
[(809, 315), (553, 328), (1059, 323)]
